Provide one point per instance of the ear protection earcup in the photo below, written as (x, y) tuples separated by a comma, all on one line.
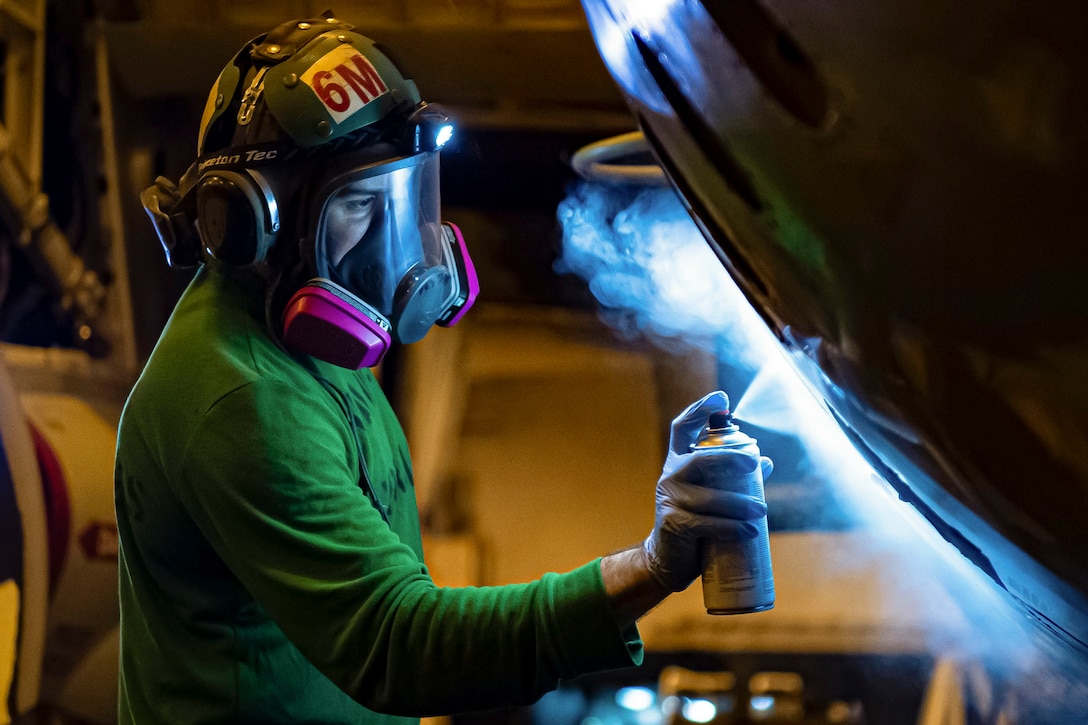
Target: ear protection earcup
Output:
[(326, 321), (237, 216)]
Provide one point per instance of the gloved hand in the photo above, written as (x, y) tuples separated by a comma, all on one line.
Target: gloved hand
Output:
[(688, 509)]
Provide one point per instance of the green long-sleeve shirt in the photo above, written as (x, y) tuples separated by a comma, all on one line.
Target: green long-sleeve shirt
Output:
[(260, 583)]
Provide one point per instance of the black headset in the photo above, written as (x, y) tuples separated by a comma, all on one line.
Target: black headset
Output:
[(231, 214), (237, 215)]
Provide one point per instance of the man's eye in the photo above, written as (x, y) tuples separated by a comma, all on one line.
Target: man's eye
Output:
[(359, 203)]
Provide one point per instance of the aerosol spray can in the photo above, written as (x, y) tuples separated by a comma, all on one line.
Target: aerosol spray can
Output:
[(737, 576)]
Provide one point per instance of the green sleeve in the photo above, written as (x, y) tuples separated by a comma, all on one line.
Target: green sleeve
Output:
[(273, 485)]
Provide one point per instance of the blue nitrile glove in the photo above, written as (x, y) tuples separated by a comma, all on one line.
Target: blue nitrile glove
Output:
[(687, 509)]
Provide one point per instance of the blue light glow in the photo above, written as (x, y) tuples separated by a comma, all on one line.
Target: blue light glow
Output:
[(642, 253), (443, 135), (699, 710), (635, 698), (761, 703), (647, 14), (656, 278), (670, 705)]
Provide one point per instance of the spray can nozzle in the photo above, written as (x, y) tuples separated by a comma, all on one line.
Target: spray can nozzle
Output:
[(722, 420)]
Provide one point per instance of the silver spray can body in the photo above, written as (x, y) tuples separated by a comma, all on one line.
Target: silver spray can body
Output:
[(737, 575)]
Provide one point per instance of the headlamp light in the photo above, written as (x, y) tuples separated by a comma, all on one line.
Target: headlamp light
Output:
[(444, 134), (431, 128)]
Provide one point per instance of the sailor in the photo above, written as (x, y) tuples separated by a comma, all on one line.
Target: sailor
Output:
[(271, 566)]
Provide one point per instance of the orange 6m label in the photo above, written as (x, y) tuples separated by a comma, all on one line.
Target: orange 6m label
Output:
[(345, 81)]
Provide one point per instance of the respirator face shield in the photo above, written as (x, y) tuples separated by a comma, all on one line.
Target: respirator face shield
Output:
[(379, 235)]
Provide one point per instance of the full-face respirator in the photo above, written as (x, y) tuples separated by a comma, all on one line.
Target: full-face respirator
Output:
[(327, 147)]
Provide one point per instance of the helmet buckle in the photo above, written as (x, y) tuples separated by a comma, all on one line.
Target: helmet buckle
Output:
[(249, 98)]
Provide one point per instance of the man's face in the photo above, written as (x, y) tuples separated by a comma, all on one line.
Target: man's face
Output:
[(369, 235), (348, 215)]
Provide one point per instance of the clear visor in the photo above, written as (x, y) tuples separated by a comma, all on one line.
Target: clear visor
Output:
[(379, 236)]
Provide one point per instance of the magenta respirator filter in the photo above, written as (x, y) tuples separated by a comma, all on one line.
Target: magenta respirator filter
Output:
[(327, 322), (467, 281)]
